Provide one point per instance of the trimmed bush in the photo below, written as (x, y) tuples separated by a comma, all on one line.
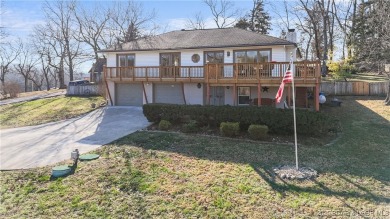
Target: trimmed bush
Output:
[(190, 127), (258, 132), (279, 121), (164, 125), (230, 129)]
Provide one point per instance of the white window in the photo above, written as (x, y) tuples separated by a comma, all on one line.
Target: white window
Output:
[(244, 94)]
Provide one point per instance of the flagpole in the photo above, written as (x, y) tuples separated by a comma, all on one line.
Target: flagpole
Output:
[(295, 118)]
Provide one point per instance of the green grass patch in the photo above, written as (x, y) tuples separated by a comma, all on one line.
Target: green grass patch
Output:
[(364, 76), (176, 175), (45, 110)]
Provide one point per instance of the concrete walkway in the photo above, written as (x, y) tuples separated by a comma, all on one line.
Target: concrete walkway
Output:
[(34, 97), (37, 146)]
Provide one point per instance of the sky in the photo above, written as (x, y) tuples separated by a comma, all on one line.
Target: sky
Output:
[(19, 17)]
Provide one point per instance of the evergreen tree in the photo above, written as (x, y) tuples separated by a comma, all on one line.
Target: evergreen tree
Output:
[(258, 20)]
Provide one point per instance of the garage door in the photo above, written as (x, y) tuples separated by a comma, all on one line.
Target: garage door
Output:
[(168, 93), (128, 95)]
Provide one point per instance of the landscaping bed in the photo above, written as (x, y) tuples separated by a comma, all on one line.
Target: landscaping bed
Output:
[(257, 123)]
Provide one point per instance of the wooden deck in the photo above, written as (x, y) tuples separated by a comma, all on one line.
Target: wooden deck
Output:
[(269, 73)]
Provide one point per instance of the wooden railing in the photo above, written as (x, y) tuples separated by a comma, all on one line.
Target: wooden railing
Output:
[(217, 73)]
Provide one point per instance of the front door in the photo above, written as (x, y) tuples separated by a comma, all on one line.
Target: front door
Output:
[(217, 96), (213, 58)]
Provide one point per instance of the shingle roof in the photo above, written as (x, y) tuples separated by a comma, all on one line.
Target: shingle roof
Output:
[(207, 38), (99, 65)]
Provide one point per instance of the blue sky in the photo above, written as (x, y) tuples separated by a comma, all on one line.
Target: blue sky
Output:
[(19, 17)]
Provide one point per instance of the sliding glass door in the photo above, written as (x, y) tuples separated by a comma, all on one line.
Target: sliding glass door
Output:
[(170, 64)]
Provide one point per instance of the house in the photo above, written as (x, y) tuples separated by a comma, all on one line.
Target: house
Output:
[(97, 69), (208, 67)]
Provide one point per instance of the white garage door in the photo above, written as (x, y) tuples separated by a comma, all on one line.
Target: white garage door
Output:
[(168, 93), (128, 95)]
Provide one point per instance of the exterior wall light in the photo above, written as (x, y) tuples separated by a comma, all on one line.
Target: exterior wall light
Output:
[(199, 85), (228, 53)]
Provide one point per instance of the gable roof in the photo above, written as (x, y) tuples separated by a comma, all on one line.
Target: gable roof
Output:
[(206, 38)]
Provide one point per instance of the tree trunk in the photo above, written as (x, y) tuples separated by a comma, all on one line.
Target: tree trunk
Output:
[(25, 84), (70, 60), (61, 74)]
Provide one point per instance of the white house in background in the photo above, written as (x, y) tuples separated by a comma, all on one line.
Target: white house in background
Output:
[(208, 67)]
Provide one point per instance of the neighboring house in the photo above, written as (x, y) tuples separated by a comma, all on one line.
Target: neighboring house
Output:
[(212, 66), (97, 69)]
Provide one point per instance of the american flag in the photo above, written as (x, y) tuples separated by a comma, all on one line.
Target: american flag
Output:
[(288, 77)]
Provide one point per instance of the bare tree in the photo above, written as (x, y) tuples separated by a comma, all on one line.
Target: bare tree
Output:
[(224, 12), (311, 12), (128, 22), (91, 25), (42, 51), (8, 54), (307, 31), (59, 22), (197, 23), (54, 52), (25, 64)]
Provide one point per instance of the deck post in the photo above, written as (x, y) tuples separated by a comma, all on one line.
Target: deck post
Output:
[(106, 83), (259, 94), (235, 95), (317, 97), (146, 97), (208, 94), (184, 95), (306, 101)]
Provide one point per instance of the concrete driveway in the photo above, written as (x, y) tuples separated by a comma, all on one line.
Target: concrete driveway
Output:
[(37, 146)]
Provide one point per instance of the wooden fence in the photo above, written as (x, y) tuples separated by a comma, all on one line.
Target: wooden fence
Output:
[(83, 90), (358, 88)]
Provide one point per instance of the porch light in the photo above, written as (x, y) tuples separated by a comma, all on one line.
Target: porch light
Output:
[(228, 53), (227, 87), (199, 85)]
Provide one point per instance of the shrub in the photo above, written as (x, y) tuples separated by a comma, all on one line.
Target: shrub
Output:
[(258, 132), (230, 129), (190, 127), (341, 70), (10, 88), (164, 125), (279, 121)]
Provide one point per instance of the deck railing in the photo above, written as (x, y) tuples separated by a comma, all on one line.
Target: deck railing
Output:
[(216, 73)]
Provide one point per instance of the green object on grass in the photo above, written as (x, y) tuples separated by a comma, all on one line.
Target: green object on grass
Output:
[(86, 157), (59, 171)]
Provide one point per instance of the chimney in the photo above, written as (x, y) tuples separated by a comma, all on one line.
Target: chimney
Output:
[(291, 35)]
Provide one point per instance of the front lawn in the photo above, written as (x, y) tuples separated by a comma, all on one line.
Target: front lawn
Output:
[(45, 110), (174, 175), (362, 76)]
